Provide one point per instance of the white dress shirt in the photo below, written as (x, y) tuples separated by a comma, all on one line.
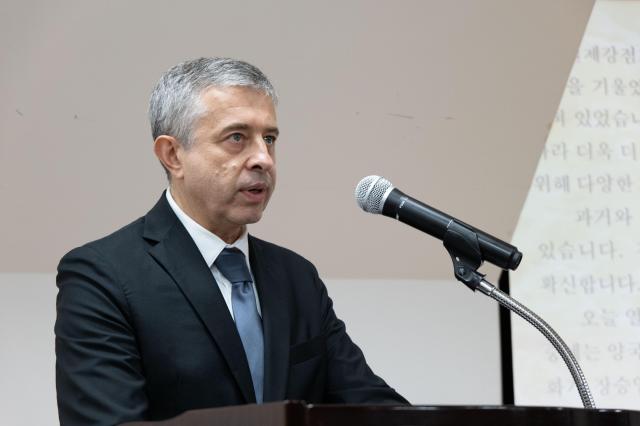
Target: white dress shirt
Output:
[(210, 246)]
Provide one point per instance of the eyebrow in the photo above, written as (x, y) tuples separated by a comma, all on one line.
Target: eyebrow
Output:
[(243, 126)]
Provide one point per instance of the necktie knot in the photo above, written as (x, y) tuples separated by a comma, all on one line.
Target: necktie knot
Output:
[(232, 264)]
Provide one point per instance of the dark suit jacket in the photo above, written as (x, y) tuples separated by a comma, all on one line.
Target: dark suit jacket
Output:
[(142, 331)]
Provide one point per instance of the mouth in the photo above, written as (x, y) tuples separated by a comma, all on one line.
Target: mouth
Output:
[(255, 192), (256, 188)]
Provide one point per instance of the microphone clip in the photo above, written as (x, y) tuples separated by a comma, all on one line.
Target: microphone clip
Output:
[(464, 249)]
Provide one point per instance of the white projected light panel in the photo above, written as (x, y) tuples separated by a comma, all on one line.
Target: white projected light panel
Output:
[(580, 227)]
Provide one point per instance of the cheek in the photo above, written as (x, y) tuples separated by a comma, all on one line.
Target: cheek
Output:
[(199, 173), (227, 167)]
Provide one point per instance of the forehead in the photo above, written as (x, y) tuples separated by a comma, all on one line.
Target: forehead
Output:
[(219, 99)]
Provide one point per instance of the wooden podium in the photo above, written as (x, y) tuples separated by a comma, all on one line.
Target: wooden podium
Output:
[(291, 413)]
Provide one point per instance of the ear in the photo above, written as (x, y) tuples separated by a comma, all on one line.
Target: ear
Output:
[(167, 149)]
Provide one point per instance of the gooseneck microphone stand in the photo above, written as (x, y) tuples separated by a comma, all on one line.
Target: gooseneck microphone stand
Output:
[(462, 245)]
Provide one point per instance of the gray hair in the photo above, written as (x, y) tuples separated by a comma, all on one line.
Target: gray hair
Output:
[(175, 101)]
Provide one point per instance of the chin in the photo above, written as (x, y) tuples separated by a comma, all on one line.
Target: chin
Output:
[(250, 218), (246, 215)]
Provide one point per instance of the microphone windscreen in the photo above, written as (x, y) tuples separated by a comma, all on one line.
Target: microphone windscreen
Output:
[(371, 193)]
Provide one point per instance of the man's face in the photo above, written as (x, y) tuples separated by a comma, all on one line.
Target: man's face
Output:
[(229, 173)]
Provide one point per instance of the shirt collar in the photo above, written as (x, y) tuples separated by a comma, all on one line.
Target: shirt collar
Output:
[(208, 243)]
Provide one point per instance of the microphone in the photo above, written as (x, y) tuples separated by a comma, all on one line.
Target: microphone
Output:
[(375, 194)]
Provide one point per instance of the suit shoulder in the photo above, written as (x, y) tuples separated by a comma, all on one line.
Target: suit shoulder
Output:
[(283, 254), (118, 242)]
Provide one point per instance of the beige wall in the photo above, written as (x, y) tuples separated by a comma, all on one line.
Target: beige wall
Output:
[(451, 101)]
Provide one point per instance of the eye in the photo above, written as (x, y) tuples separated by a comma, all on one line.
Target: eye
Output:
[(270, 140), (236, 137)]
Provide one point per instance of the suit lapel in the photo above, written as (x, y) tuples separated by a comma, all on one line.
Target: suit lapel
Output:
[(176, 252), (275, 319)]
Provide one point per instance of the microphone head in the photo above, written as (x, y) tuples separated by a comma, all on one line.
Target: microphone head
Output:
[(371, 193)]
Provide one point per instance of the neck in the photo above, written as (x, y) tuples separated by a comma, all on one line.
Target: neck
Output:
[(228, 234)]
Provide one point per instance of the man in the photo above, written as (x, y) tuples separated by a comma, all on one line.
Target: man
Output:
[(182, 309)]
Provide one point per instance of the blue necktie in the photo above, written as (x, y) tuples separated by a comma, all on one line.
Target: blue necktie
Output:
[(231, 263)]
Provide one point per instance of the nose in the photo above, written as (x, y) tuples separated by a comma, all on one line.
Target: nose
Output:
[(261, 156)]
